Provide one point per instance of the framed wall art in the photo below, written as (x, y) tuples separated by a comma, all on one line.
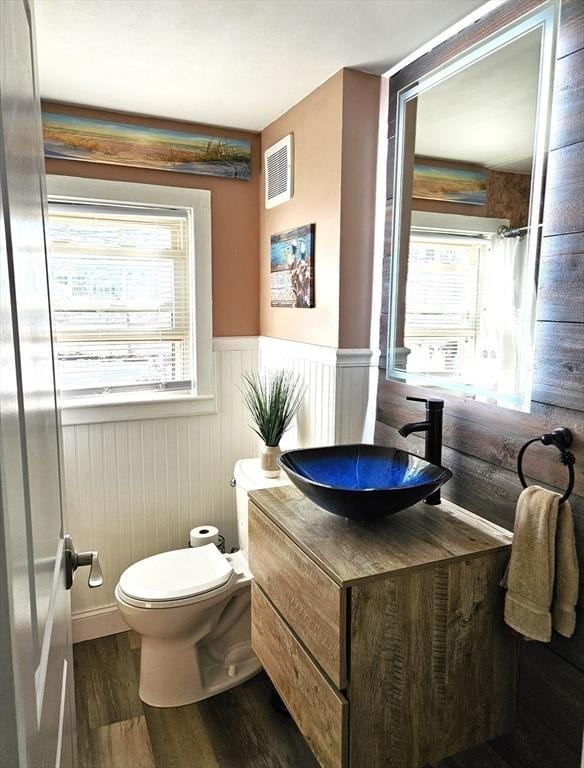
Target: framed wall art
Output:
[(292, 268), (68, 137)]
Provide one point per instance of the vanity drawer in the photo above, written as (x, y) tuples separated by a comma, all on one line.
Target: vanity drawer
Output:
[(320, 712), (306, 597)]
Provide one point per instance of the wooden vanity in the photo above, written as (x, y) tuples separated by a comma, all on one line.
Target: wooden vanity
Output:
[(386, 641)]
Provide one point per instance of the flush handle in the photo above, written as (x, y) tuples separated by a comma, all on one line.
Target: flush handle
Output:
[(74, 560)]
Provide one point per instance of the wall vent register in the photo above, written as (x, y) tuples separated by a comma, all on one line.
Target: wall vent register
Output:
[(278, 172)]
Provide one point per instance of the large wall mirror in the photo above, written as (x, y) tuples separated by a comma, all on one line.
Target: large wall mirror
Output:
[(471, 142)]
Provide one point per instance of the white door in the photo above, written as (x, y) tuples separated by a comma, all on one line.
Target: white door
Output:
[(37, 722)]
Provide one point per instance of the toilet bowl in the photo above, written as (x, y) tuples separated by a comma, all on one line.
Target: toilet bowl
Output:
[(192, 609)]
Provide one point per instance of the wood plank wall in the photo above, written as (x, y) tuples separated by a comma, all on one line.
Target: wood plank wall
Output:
[(481, 441)]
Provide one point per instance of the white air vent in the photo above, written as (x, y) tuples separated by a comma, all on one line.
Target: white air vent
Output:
[(278, 172)]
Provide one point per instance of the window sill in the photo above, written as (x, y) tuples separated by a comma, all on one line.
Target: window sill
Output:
[(88, 411)]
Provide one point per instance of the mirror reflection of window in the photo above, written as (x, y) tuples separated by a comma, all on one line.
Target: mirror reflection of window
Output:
[(470, 162), (463, 305)]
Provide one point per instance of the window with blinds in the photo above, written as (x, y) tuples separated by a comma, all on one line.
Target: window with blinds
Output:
[(443, 303), (121, 280)]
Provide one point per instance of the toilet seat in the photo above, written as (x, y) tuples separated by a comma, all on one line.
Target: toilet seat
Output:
[(181, 576)]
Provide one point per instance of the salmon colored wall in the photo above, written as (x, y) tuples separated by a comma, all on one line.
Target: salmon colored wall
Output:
[(234, 211), (316, 123), (361, 100), (335, 131)]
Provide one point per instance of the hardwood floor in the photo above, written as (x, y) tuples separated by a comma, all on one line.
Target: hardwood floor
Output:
[(236, 729)]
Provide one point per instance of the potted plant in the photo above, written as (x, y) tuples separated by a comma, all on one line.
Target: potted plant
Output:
[(273, 399)]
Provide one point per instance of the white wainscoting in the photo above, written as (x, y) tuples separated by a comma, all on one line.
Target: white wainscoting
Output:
[(135, 488), (337, 390)]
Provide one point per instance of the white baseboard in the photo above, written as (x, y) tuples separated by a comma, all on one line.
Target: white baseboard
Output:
[(97, 622)]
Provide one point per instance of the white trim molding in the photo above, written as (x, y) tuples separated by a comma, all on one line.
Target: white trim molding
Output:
[(337, 385), (97, 622), (355, 358), (138, 406), (341, 358), (235, 343), (135, 489)]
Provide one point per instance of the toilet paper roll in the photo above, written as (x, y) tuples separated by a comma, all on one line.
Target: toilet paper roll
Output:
[(204, 534)]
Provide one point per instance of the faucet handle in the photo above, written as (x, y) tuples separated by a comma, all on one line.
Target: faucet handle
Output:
[(432, 403)]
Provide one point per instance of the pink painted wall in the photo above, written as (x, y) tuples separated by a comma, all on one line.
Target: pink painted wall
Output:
[(335, 131), (234, 214)]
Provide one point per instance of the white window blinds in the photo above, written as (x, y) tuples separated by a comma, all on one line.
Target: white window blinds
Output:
[(121, 285), (443, 303)]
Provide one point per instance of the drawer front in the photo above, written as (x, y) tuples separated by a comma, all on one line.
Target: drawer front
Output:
[(312, 604), (320, 712)]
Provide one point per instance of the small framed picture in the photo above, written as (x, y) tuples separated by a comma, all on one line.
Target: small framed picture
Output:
[(292, 268)]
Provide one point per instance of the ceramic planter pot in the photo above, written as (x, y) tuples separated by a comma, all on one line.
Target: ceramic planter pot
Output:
[(269, 460)]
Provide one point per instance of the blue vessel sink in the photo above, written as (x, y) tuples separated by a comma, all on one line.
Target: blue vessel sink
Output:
[(362, 482)]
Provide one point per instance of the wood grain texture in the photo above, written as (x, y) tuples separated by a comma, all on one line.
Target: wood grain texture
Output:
[(388, 228), (483, 440), (553, 691), (179, 733), (564, 193), (318, 709), (561, 279), (235, 729), (386, 277), (533, 744), (350, 552), (123, 744), (483, 486), (558, 376), (306, 597), (432, 664), (108, 682), (567, 126), (572, 648), (482, 756), (390, 168), (571, 36), (492, 434)]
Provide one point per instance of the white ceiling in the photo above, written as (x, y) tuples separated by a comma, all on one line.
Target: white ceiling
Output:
[(239, 63), (485, 114)]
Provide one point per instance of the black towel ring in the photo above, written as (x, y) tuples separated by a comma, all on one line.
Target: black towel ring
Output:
[(562, 439)]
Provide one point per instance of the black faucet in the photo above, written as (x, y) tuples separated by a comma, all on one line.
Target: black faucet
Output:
[(433, 429)]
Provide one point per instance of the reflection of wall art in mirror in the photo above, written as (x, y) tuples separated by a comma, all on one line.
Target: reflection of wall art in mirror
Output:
[(471, 144), (68, 137), (455, 185), (292, 268)]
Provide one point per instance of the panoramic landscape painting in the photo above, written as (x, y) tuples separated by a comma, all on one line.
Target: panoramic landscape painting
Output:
[(454, 185), (99, 141)]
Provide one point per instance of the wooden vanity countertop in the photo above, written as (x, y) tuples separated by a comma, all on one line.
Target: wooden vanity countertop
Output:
[(350, 552)]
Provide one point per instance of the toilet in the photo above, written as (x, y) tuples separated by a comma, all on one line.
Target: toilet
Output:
[(192, 609)]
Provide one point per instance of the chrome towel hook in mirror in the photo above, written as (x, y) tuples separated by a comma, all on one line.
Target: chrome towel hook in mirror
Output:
[(562, 439)]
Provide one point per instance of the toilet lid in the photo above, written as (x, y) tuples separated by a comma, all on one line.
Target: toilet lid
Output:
[(176, 574)]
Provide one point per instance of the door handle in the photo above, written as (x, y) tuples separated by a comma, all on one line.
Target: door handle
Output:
[(74, 560)]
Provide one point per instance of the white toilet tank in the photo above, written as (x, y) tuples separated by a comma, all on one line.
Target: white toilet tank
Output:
[(249, 477)]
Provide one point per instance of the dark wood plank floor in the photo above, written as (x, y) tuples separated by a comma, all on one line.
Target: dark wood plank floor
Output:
[(236, 729)]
